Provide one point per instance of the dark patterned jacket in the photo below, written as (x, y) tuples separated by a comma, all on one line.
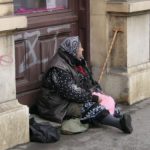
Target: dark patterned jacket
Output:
[(68, 82)]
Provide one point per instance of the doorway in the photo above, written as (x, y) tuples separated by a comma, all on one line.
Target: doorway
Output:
[(35, 46)]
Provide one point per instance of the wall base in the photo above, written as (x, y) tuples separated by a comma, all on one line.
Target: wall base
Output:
[(14, 124), (128, 87)]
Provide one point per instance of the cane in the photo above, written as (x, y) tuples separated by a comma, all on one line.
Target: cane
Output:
[(116, 30)]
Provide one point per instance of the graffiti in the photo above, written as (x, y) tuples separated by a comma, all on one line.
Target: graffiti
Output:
[(31, 41), (5, 60), (30, 45), (51, 29), (18, 37)]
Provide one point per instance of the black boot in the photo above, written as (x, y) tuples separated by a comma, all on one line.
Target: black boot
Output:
[(126, 125), (110, 120)]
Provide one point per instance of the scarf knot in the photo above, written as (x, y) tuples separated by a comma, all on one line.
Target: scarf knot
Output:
[(81, 70)]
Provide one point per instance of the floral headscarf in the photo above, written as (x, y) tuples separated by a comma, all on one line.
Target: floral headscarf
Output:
[(70, 45)]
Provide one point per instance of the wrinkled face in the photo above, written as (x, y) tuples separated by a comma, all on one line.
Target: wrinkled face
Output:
[(80, 53)]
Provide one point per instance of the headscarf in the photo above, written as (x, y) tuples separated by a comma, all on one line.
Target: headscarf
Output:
[(70, 45)]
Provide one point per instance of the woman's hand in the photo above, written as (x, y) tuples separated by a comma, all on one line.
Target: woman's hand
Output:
[(96, 98)]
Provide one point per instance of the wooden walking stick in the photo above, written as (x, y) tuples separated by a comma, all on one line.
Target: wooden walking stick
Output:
[(116, 30)]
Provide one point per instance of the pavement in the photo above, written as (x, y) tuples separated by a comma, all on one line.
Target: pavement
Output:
[(104, 137)]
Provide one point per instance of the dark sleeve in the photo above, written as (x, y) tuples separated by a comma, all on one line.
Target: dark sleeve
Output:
[(96, 87), (67, 88)]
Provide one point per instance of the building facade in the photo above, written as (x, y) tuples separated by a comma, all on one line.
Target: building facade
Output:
[(40, 26)]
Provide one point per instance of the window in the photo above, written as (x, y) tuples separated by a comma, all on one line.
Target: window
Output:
[(31, 6)]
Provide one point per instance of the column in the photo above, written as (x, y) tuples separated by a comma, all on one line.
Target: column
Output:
[(127, 77), (14, 118)]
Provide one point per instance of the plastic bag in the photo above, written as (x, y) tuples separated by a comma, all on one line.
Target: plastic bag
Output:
[(43, 132)]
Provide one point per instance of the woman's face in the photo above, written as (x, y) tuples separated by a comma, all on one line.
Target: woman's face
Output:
[(80, 53)]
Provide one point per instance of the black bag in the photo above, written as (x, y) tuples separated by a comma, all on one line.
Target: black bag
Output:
[(43, 132)]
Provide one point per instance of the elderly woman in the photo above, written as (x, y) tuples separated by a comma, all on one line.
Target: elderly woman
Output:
[(68, 87)]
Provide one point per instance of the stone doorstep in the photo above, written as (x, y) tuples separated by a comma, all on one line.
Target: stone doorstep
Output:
[(12, 22), (13, 121)]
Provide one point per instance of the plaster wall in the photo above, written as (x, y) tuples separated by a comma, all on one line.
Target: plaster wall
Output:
[(138, 36), (14, 118), (7, 64), (98, 35)]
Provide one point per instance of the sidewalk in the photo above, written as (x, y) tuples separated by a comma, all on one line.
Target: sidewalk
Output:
[(106, 138)]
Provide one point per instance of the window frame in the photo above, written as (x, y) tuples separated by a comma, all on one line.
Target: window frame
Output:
[(39, 19), (36, 14)]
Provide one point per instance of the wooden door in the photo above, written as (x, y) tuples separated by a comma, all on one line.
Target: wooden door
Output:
[(84, 26), (36, 45)]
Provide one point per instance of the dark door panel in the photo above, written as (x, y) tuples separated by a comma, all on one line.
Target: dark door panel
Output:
[(84, 26), (34, 50)]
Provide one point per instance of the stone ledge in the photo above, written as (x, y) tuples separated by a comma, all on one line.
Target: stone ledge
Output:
[(130, 70), (6, 9), (139, 68), (128, 7), (5, 1), (14, 124), (5, 107), (12, 22)]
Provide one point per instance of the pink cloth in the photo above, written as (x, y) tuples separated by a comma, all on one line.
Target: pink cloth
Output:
[(106, 101)]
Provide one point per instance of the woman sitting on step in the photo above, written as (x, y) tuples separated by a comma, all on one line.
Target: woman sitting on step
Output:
[(69, 91)]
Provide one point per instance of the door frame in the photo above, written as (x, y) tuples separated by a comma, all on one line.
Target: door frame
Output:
[(72, 15), (85, 24)]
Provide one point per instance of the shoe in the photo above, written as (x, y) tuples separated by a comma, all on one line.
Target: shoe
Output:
[(126, 125)]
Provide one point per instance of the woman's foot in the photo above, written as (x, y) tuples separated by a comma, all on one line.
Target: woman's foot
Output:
[(126, 125)]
